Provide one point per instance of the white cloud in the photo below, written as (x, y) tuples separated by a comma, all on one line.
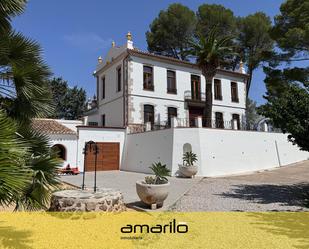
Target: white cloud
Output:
[(88, 41)]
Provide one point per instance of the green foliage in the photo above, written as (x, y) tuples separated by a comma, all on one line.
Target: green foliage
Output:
[(171, 31), (161, 172), (24, 93), (214, 15), (211, 52), (253, 41), (14, 176), (27, 167), (252, 116), (189, 158), (288, 89), (288, 103), (9, 9), (70, 103), (291, 29)]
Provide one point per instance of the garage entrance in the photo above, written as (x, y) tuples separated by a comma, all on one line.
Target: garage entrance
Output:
[(107, 158)]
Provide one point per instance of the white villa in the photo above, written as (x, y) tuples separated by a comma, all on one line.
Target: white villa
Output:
[(149, 108), (136, 87)]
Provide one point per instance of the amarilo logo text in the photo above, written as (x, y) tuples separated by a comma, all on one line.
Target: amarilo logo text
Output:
[(171, 227)]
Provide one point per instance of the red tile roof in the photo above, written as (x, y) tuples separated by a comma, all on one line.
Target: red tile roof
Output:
[(51, 126)]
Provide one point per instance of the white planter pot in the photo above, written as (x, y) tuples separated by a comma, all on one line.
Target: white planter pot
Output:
[(188, 171), (152, 194)]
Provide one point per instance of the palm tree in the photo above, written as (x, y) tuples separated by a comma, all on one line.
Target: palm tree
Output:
[(14, 176), (24, 92), (211, 52), (8, 9), (27, 166)]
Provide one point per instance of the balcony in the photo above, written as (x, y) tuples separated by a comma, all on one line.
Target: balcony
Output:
[(196, 97)]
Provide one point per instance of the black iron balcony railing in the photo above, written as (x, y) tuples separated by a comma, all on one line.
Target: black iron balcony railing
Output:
[(195, 96)]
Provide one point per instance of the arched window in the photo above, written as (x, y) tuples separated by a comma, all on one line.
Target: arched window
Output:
[(186, 148), (60, 150)]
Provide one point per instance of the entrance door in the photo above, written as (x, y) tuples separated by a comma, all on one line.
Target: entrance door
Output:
[(107, 158), (194, 112)]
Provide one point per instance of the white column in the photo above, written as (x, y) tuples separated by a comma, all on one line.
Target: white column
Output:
[(235, 126), (265, 127), (174, 122), (148, 126), (199, 122)]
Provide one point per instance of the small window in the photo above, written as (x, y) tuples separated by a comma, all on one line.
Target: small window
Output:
[(103, 120), (148, 114), (119, 79), (148, 78), (93, 123), (171, 82), (237, 118), (219, 120), (234, 92), (103, 87), (171, 112), (218, 89)]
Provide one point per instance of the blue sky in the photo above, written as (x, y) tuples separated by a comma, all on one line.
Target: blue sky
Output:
[(73, 33)]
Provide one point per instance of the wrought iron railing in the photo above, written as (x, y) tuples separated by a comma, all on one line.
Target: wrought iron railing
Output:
[(195, 96), (193, 123)]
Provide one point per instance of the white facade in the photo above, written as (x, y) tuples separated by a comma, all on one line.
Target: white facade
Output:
[(125, 107), (121, 103), (219, 152)]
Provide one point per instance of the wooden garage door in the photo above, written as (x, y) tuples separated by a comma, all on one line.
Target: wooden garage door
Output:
[(107, 158)]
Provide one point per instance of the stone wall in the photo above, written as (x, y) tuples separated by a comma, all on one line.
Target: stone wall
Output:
[(107, 200)]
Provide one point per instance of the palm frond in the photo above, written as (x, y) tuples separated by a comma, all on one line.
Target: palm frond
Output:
[(14, 176), (8, 9)]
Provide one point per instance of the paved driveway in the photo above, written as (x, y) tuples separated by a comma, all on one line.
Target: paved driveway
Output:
[(282, 189), (125, 182)]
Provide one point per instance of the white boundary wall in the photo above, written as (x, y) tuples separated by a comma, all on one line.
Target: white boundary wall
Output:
[(220, 152), (143, 149), (99, 134), (70, 144)]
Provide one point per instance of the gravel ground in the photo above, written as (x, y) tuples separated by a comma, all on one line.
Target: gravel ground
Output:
[(282, 189)]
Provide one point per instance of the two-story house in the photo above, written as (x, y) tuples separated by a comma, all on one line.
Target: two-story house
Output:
[(136, 87)]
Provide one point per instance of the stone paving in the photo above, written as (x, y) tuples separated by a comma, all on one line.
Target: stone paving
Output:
[(125, 182), (281, 189)]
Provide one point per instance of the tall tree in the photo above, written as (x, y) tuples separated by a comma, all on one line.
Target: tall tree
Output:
[(288, 89), (171, 32), (291, 29), (211, 52), (288, 103), (214, 15), (254, 42), (70, 103)]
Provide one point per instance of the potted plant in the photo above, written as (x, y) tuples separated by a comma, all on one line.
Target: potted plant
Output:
[(154, 189), (188, 169)]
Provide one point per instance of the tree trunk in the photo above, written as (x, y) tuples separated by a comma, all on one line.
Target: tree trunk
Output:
[(208, 102), (249, 81)]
